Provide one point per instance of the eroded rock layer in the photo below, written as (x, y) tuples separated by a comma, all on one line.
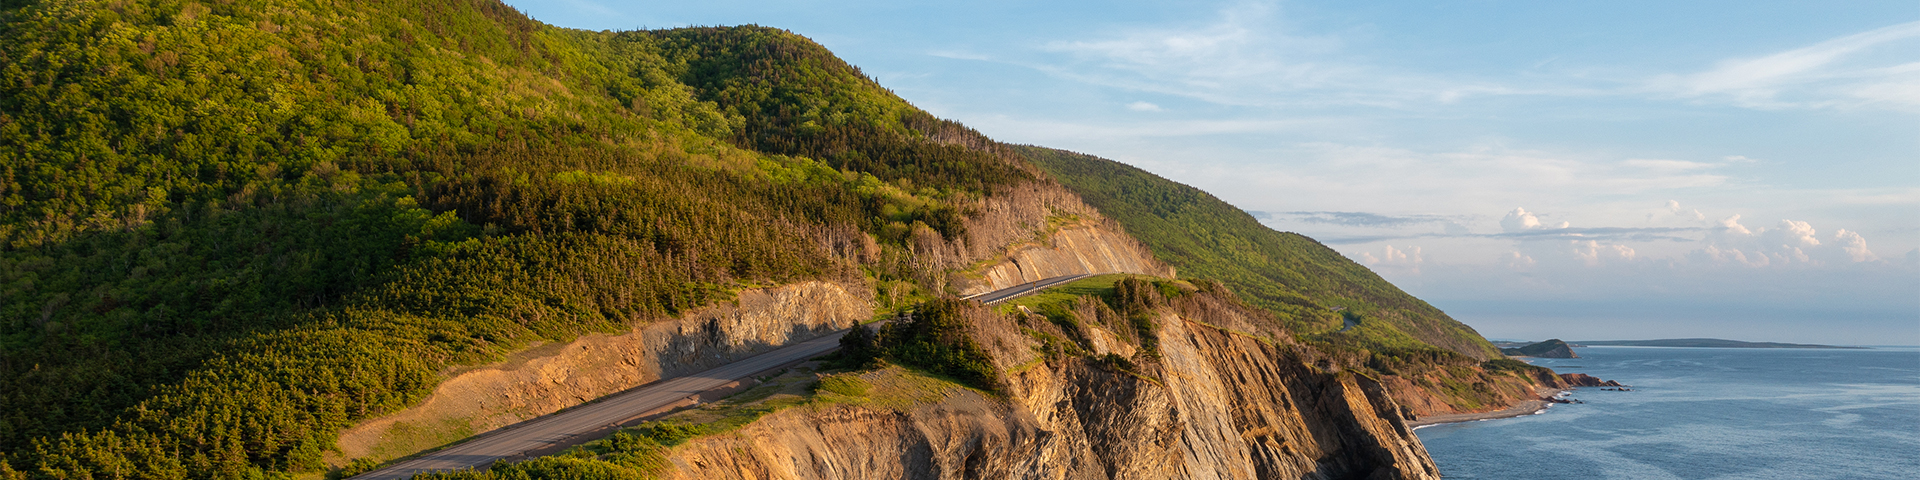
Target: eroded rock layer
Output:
[(549, 378), (1071, 250), (1215, 405)]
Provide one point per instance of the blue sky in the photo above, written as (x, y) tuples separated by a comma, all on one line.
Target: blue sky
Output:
[(1581, 170)]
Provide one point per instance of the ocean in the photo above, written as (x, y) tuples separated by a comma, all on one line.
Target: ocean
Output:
[(1707, 413)]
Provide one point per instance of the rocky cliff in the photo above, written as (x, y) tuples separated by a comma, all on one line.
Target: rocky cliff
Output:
[(552, 377), (1212, 403), (1584, 380)]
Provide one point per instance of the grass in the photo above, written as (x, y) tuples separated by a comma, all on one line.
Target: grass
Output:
[(1097, 286), (408, 438), (894, 387)]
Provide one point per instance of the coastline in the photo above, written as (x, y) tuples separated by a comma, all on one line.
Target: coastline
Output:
[(1529, 407)]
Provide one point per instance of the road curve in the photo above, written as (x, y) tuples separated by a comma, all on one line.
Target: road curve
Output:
[(567, 425), (1024, 289)]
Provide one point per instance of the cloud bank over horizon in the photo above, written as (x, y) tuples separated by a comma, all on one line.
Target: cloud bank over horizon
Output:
[(1788, 280)]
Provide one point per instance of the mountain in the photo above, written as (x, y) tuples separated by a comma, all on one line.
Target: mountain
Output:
[(260, 238), (1703, 342)]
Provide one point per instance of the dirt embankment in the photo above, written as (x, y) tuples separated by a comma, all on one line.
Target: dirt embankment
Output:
[(551, 377), (1084, 247), (1072, 250), (1216, 404)]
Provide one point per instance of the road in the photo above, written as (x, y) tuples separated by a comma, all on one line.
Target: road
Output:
[(568, 425), (1024, 289)]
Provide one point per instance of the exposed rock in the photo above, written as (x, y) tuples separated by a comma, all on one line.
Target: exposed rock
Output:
[(1216, 405), (552, 377), (1548, 349), (1584, 380), (1075, 249)]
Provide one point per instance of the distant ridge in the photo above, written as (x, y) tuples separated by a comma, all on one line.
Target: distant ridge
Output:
[(1703, 342), (1548, 349)]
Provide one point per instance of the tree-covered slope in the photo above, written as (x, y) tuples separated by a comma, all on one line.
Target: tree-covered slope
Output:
[(230, 229), (1293, 276)]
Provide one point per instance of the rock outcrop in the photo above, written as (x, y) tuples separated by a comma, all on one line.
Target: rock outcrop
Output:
[(549, 378), (1584, 380), (1215, 404), (1548, 349), (1074, 249)]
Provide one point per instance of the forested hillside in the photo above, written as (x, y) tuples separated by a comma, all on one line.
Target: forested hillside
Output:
[(1293, 276), (233, 228), (230, 229)]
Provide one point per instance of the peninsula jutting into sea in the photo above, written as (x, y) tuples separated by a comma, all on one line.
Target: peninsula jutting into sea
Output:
[(1700, 343)]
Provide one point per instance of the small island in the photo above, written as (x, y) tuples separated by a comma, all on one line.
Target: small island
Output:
[(1703, 343), (1553, 348)]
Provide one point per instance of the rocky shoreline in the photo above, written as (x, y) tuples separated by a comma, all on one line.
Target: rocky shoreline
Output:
[(1548, 397), (1528, 407)]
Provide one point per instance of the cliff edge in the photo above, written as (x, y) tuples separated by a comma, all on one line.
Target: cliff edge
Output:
[(1196, 396)]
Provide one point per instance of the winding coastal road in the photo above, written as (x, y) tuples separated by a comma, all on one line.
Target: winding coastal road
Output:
[(568, 426)]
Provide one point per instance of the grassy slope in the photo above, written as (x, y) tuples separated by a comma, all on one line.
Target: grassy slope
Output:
[(1293, 276)]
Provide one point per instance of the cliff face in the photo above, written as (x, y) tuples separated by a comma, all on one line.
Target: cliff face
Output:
[(552, 377), (1584, 380), (1215, 405), (1074, 249)]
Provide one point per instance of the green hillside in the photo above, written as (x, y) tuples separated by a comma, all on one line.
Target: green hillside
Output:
[(230, 229), (1295, 277)]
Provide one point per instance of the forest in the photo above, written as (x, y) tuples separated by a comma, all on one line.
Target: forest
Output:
[(230, 229)]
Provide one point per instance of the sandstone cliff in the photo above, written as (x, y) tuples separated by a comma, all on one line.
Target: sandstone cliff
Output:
[(1213, 403), (552, 377)]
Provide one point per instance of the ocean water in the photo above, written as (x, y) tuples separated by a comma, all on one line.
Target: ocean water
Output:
[(1707, 413)]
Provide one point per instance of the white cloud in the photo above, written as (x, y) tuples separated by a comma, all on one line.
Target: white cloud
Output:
[(1817, 75), (1788, 242), (1408, 259), (1521, 220), (1854, 245), (1248, 56), (1519, 261), (1673, 207), (1592, 252), (1143, 106), (1732, 225)]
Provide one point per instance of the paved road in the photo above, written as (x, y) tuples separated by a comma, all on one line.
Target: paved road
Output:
[(1024, 289), (567, 425)]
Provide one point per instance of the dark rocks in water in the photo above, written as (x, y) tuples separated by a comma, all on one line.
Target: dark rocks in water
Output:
[(1548, 349)]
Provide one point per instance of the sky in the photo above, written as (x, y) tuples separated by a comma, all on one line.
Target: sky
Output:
[(1576, 170)]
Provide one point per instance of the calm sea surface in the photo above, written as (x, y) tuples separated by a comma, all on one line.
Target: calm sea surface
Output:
[(1707, 413)]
